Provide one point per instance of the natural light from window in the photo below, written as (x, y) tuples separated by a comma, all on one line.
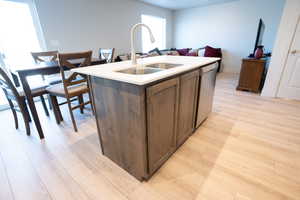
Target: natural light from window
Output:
[(158, 27), (18, 36)]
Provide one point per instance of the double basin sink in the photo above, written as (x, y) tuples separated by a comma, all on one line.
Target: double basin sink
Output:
[(148, 69)]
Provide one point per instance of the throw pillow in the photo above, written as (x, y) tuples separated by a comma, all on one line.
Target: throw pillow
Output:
[(183, 52), (212, 52)]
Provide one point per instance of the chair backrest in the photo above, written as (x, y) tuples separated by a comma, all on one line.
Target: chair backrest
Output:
[(44, 56), (81, 59), (107, 54), (7, 85)]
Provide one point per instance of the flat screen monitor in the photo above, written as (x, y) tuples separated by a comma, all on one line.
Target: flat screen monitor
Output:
[(260, 34)]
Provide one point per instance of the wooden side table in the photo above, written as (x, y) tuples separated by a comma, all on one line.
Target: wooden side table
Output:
[(252, 76)]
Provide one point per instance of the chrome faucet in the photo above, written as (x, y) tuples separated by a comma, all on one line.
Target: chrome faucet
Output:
[(133, 56)]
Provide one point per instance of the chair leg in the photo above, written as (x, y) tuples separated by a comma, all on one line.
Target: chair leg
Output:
[(23, 102), (27, 127), (12, 107), (25, 114), (49, 101), (72, 115), (90, 93), (80, 101), (92, 102), (44, 105), (58, 110), (55, 108)]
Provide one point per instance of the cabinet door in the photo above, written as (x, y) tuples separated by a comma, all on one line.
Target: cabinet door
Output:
[(252, 72), (162, 109), (187, 105)]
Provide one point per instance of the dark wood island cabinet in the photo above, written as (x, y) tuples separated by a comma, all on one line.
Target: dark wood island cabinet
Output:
[(141, 126)]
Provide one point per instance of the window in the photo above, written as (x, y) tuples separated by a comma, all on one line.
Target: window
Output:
[(20, 33), (158, 27)]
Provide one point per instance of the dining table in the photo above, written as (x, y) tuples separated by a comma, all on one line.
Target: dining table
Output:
[(20, 73)]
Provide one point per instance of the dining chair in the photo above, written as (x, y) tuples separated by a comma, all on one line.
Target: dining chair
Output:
[(107, 54), (44, 56), (73, 86), (16, 98), (47, 56)]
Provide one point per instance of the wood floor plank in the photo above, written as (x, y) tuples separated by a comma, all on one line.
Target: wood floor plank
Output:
[(24, 180), (5, 191), (55, 177), (92, 182)]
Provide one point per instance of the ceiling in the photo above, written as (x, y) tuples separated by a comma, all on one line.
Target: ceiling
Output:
[(182, 4)]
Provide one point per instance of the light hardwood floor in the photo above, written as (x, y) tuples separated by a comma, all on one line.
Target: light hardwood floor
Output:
[(248, 149)]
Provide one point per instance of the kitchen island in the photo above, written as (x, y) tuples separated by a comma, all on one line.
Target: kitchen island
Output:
[(144, 114)]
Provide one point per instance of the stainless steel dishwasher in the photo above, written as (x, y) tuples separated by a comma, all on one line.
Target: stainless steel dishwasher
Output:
[(206, 92)]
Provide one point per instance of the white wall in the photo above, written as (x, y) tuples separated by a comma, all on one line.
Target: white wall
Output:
[(76, 25), (284, 38), (231, 26)]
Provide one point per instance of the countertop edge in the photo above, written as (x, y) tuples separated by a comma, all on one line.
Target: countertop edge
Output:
[(137, 80)]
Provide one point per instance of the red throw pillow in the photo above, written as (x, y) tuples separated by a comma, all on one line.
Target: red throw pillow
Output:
[(191, 54), (212, 52), (183, 52)]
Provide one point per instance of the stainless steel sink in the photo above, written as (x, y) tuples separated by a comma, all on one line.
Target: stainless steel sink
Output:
[(140, 70), (163, 65), (148, 69)]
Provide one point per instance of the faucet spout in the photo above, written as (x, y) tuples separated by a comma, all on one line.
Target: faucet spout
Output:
[(152, 39)]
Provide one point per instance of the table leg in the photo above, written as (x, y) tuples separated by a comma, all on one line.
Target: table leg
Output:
[(91, 95), (31, 104)]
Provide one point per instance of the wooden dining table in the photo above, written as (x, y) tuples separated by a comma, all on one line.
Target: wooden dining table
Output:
[(45, 68)]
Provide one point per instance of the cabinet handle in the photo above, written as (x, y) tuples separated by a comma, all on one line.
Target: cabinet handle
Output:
[(294, 52)]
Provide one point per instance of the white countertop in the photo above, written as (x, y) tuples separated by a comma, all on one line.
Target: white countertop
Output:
[(109, 71)]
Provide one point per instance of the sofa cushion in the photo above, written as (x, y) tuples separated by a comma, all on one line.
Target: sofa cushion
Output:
[(193, 52), (173, 53), (156, 50), (212, 52), (73, 90), (153, 53), (201, 52)]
